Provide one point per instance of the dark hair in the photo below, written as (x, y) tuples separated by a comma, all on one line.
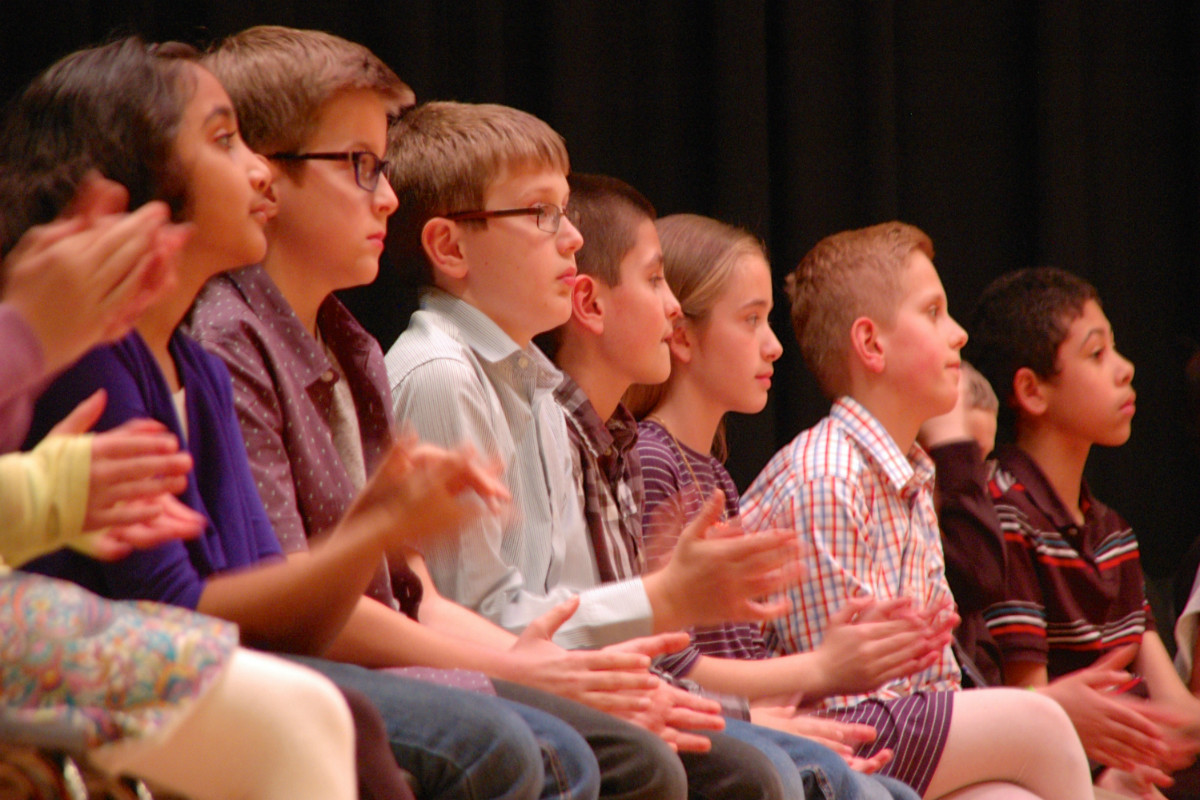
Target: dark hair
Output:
[(1021, 319), (607, 212), (115, 109)]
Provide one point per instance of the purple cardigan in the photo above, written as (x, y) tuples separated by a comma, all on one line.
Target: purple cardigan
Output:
[(220, 487)]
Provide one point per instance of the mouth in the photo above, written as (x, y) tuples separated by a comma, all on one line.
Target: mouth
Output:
[(262, 212), (764, 378), (567, 276), (377, 238), (1130, 405)]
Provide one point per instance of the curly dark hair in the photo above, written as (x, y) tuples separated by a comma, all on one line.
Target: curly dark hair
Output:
[(1021, 319), (115, 109)]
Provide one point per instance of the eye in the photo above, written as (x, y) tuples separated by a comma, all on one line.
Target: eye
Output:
[(753, 319), (226, 140)]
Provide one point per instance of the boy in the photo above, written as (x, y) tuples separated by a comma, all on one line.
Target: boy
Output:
[(622, 319), (482, 191), (1073, 593), (870, 315), (310, 387)]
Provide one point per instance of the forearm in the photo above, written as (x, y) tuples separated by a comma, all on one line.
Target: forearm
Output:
[(1154, 665), (298, 605), (772, 677), (44, 495)]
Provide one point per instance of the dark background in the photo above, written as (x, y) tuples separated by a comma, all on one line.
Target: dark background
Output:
[(1014, 133)]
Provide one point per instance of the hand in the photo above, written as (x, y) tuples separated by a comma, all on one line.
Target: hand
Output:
[(717, 573), (135, 471), (422, 491), (844, 738), (868, 643), (1119, 732), (674, 713), (612, 679), (84, 278), (1139, 783)]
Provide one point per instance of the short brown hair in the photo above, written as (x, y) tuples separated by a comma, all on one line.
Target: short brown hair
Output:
[(607, 212), (980, 394), (279, 78), (445, 156), (846, 276)]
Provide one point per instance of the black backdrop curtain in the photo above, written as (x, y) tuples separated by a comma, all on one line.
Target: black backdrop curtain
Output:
[(1014, 133)]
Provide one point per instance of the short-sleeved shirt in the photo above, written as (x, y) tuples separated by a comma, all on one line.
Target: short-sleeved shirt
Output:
[(284, 385), (864, 511), (1073, 592), (456, 376), (220, 486), (676, 490)]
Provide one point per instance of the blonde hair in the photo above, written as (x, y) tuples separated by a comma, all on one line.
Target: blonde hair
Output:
[(980, 394), (279, 78), (846, 276), (700, 255), (445, 156)]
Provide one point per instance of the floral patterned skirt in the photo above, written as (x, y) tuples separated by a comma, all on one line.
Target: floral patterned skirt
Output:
[(105, 669)]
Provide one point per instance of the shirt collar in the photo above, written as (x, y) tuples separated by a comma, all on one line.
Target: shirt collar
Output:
[(914, 469), (485, 338), (1029, 475), (602, 437), (309, 360)]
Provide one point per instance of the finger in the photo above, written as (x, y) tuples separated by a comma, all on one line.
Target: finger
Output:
[(688, 742), (128, 445), (130, 476), (850, 610), (654, 646), (83, 416), (687, 700), (710, 514), (1115, 659), (547, 624), (688, 719), (871, 765), (97, 196)]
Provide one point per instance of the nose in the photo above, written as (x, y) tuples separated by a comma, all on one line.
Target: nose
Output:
[(569, 238), (670, 304), (259, 171), (772, 349), (384, 198), (1124, 370), (958, 336)]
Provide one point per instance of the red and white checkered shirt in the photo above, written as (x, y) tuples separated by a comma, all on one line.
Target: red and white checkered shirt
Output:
[(865, 513)]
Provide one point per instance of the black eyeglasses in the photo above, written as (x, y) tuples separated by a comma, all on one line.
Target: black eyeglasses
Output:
[(367, 165), (549, 216)]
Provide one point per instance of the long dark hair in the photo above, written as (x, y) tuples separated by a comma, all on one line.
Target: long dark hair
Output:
[(115, 109)]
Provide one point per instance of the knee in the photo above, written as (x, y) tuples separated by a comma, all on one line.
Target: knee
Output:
[(647, 769)]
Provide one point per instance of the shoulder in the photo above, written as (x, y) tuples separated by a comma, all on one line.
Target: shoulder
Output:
[(427, 348)]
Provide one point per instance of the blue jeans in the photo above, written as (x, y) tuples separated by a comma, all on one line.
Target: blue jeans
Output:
[(813, 771), (463, 745)]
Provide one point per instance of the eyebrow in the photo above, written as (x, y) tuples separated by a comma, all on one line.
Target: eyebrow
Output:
[(219, 111), (1101, 332)]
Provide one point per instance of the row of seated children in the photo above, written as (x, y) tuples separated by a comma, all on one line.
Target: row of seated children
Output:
[(482, 191)]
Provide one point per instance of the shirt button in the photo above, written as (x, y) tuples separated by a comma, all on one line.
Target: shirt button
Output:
[(522, 362), (328, 376)]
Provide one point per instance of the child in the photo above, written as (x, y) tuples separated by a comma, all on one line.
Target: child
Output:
[(1074, 587), (311, 391), (164, 126), (619, 332), (70, 663), (482, 191), (870, 316)]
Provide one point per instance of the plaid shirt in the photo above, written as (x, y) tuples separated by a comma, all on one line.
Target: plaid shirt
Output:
[(608, 475), (865, 512)]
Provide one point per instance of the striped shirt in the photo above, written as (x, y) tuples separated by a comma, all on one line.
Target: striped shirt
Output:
[(1073, 592), (456, 376), (672, 499), (864, 511)]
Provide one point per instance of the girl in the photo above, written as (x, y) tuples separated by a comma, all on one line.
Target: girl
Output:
[(165, 128), (722, 356), (68, 668)]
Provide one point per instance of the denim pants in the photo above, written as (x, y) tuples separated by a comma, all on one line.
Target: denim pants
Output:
[(813, 771), (458, 744)]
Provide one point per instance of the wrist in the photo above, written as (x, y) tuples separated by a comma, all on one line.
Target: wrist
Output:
[(666, 615)]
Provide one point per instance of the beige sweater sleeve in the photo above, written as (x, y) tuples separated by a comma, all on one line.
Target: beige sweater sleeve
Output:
[(43, 497)]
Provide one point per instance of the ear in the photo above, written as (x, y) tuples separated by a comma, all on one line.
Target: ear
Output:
[(1029, 392), (867, 344), (587, 304), (682, 341), (441, 240)]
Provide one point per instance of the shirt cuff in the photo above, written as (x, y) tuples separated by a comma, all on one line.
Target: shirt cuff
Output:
[(608, 614)]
